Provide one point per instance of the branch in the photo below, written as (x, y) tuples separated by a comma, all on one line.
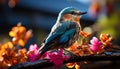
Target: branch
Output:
[(45, 63)]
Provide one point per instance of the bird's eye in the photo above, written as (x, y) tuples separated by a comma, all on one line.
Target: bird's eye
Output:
[(73, 12)]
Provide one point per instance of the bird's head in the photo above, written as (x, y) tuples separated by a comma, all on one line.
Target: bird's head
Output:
[(71, 14)]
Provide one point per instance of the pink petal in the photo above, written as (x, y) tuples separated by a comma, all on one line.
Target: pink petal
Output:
[(95, 44), (56, 57), (66, 58), (35, 54), (45, 56), (33, 57), (58, 63), (94, 41), (33, 47), (61, 51)]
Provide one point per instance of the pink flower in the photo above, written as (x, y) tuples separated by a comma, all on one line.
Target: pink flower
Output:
[(95, 44), (34, 54), (56, 58)]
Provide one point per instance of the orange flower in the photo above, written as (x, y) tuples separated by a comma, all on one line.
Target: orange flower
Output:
[(10, 57), (75, 49), (20, 35), (8, 45), (74, 64), (106, 40), (10, 54), (84, 34), (4, 47), (22, 55), (1, 51), (3, 66), (17, 30)]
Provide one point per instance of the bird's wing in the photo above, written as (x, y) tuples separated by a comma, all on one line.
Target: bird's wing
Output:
[(65, 31), (59, 34), (67, 35)]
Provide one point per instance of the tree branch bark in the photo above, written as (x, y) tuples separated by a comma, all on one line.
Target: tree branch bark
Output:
[(45, 63)]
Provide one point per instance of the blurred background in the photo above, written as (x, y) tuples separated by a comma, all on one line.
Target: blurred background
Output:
[(40, 15)]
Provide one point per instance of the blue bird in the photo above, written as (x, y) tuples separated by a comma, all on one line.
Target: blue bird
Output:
[(65, 31)]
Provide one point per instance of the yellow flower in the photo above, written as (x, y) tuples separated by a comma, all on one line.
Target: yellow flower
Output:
[(74, 64)]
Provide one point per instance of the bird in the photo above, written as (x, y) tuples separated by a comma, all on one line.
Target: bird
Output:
[(64, 32)]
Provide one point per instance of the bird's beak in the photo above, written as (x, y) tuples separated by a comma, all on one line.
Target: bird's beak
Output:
[(81, 13)]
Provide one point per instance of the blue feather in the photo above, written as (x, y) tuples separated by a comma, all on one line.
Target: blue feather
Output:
[(64, 39), (57, 30), (67, 35), (67, 10)]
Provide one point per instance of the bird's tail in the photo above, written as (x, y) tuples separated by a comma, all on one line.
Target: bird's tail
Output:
[(43, 49)]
